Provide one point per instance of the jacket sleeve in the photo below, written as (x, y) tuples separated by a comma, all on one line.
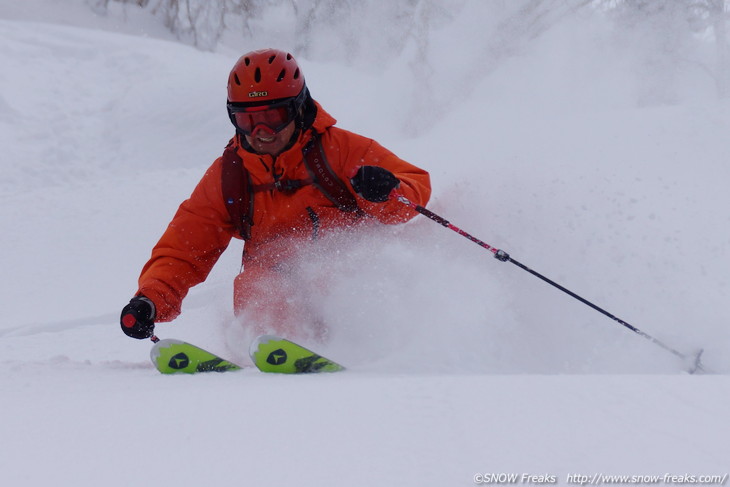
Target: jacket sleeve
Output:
[(194, 240), (415, 183)]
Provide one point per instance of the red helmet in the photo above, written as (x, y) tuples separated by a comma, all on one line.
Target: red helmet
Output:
[(265, 75)]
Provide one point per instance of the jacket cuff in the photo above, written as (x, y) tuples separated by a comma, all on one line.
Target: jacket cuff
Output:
[(163, 310)]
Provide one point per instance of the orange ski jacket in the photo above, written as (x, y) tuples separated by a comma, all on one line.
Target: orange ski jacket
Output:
[(202, 228)]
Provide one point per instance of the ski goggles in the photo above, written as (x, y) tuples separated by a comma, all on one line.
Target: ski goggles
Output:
[(274, 116)]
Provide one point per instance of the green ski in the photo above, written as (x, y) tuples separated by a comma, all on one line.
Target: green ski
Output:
[(175, 356), (275, 354)]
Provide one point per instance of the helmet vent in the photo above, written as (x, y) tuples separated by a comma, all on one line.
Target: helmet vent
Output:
[(281, 75), (271, 58), (296, 74), (247, 61), (257, 75), (235, 78)]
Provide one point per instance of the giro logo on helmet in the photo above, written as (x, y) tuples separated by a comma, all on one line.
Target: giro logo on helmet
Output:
[(257, 94)]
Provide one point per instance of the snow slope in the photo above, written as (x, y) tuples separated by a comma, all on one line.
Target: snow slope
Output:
[(459, 364)]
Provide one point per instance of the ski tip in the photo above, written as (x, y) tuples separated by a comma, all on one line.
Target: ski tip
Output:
[(160, 344), (172, 356), (262, 340), (271, 353)]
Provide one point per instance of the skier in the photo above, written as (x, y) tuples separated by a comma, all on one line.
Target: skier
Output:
[(287, 177)]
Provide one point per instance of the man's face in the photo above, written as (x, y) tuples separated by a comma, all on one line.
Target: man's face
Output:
[(265, 141)]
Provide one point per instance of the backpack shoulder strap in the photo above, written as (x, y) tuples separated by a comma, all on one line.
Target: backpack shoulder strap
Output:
[(325, 179), (237, 194), (238, 191)]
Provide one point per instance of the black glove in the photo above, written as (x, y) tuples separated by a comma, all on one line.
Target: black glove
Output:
[(138, 318), (374, 183)]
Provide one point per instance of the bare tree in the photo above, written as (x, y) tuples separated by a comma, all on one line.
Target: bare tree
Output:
[(103, 4), (522, 22), (349, 20), (334, 28), (200, 22), (715, 14), (673, 22)]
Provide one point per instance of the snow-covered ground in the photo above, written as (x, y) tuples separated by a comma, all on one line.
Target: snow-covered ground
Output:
[(458, 364)]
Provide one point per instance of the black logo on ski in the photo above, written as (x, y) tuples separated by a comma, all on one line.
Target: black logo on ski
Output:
[(277, 357), (309, 364), (179, 361)]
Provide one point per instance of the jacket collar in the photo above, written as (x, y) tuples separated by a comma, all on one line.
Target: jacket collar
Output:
[(323, 120)]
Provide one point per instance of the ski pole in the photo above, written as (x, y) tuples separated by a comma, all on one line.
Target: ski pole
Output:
[(503, 256)]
